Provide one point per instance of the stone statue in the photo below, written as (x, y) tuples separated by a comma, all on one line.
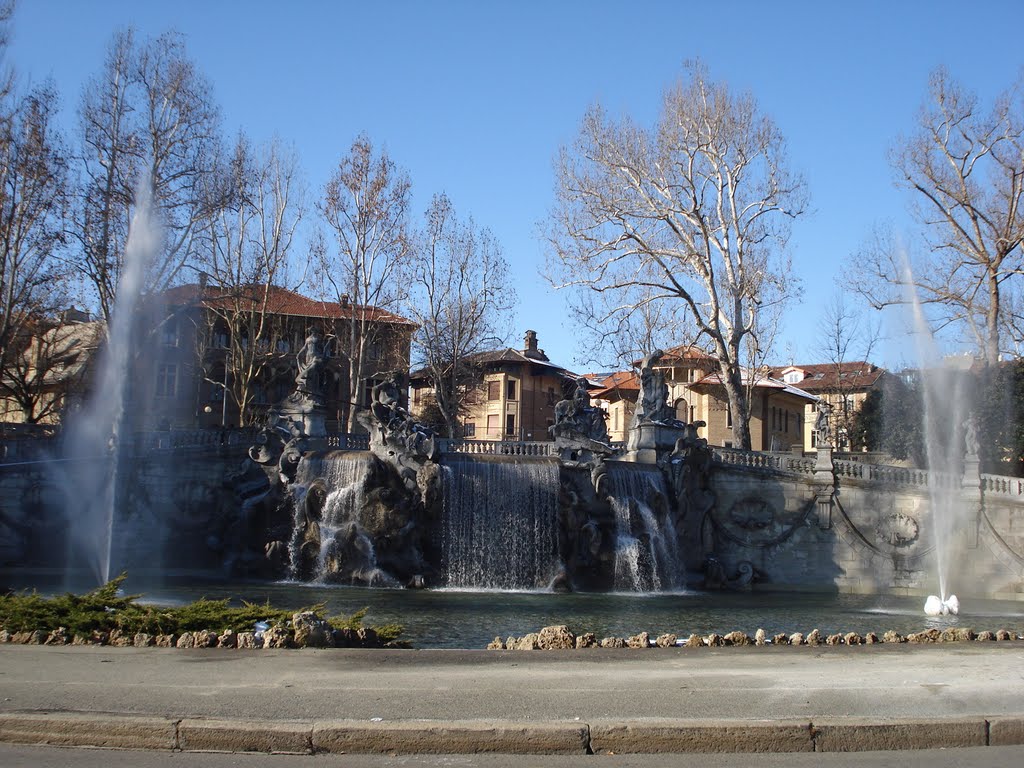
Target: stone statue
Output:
[(971, 438), (395, 436), (580, 431), (822, 424), (310, 360), (652, 404)]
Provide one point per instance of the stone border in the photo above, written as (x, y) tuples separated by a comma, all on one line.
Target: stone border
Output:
[(641, 736)]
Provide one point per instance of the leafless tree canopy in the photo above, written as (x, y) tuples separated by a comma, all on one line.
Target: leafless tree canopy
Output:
[(248, 251), (149, 114), (33, 183), (964, 167), (366, 208), (461, 296), (695, 210)]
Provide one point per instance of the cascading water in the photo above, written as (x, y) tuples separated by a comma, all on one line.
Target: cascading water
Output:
[(946, 410), (331, 489), (92, 446), (646, 547), (499, 525)]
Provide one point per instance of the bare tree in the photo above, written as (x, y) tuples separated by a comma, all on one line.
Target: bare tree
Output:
[(461, 293), (965, 168), (33, 178), (695, 210), (845, 342), (249, 254), (366, 206), (148, 114)]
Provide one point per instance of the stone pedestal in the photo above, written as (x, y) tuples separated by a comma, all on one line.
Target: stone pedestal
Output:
[(824, 482), (307, 414), (652, 440), (970, 489)]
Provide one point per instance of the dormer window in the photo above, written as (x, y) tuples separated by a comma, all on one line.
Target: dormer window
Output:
[(794, 376)]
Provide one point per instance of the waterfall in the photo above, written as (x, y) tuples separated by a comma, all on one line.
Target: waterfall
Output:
[(646, 547), (499, 524), (329, 493)]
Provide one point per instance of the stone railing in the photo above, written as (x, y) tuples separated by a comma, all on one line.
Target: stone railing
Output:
[(750, 459), (172, 439), (497, 447), (1000, 485), (347, 441)]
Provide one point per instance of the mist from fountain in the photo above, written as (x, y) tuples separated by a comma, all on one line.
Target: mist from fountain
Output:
[(92, 443), (946, 402)]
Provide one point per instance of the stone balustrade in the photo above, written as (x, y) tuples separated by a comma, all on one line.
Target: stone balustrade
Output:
[(1000, 485), (497, 448)]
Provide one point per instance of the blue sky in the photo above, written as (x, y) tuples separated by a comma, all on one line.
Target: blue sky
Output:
[(474, 98)]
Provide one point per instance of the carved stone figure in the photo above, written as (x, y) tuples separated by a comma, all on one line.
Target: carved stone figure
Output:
[(822, 424), (580, 431), (652, 404), (395, 436), (971, 438), (310, 360)]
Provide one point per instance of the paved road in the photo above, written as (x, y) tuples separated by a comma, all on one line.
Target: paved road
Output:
[(613, 689), (16, 756)]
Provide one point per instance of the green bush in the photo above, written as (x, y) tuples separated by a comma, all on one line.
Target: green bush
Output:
[(103, 609)]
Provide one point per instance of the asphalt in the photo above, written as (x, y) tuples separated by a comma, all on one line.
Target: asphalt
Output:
[(673, 700)]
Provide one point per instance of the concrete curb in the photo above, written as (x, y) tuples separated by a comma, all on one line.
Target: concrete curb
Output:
[(75, 729)]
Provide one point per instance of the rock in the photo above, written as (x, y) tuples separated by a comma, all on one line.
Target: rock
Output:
[(694, 641), (247, 640), (497, 644), (206, 639), (780, 639), (985, 636), (528, 642), (556, 638), (345, 638), (311, 631), (586, 640), (79, 640), (964, 634), (852, 638), (835, 639), (666, 641), (511, 642), (99, 637), (736, 638), (38, 637), (5, 636), (228, 639), (714, 640), (813, 637), (118, 639), (927, 636), (59, 636), (613, 642), (641, 640), (892, 636), (760, 637), (367, 637), (871, 639), (277, 637), (143, 640), (796, 638), (186, 640), (166, 641), (1004, 634)]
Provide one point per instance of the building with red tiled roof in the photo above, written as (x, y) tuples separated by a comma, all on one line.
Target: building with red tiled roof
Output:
[(209, 338), (616, 393), (843, 385), (516, 397)]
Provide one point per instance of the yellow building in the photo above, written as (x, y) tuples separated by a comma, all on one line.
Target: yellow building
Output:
[(844, 386)]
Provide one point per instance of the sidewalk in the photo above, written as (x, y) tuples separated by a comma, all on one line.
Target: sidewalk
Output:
[(533, 702)]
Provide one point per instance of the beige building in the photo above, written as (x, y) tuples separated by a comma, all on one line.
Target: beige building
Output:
[(777, 409), (842, 385), (616, 394), (516, 400)]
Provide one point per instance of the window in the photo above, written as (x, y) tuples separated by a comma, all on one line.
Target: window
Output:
[(682, 409), (510, 389), (551, 396), (374, 353), (470, 429), (283, 346), (728, 419), (220, 339), (510, 424), (793, 377), (415, 395), (166, 380), (494, 390), (493, 425), (170, 333)]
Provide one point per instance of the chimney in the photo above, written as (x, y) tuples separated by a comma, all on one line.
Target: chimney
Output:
[(531, 343), (203, 279), (344, 299)]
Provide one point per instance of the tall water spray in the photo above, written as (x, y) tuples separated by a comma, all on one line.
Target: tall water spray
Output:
[(92, 446), (946, 396)]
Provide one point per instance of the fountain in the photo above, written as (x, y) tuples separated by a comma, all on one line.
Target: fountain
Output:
[(92, 449), (950, 442)]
